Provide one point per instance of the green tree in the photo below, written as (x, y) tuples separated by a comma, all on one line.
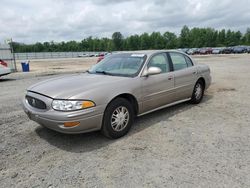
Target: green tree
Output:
[(195, 37), (157, 40), (117, 40), (247, 35), (144, 41), (184, 37), (170, 40), (133, 42), (222, 38)]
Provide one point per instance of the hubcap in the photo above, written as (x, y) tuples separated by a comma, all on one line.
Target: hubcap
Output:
[(119, 118), (198, 91)]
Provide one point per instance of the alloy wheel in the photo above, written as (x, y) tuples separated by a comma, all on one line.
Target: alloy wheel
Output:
[(198, 91), (119, 118)]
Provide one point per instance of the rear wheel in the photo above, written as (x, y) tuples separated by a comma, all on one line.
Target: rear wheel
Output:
[(118, 118), (198, 92)]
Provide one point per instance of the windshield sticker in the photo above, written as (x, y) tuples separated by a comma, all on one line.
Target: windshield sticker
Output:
[(137, 55)]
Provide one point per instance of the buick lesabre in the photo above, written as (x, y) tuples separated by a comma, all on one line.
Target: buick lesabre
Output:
[(113, 92)]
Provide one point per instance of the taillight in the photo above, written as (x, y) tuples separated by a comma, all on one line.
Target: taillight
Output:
[(3, 63)]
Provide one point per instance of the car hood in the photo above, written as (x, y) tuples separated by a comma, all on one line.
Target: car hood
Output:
[(68, 86)]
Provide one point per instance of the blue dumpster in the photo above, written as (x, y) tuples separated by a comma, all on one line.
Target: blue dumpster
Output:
[(25, 66)]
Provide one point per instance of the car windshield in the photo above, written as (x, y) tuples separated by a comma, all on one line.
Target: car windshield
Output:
[(119, 65)]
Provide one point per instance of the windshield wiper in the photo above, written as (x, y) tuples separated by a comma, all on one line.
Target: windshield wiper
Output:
[(104, 72)]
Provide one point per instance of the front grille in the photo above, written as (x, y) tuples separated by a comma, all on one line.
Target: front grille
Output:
[(36, 103)]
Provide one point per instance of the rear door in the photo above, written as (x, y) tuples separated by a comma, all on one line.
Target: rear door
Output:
[(158, 89), (185, 75)]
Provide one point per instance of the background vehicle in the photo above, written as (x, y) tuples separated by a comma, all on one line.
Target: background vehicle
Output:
[(239, 49), (83, 55), (184, 50), (217, 50), (248, 49), (110, 94), (227, 50), (204, 51), (101, 57), (193, 51), (4, 70)]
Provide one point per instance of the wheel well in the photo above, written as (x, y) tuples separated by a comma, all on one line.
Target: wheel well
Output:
[(131, 99), (203, 81)]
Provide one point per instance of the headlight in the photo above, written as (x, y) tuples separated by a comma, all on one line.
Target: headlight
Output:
[(70, 105)]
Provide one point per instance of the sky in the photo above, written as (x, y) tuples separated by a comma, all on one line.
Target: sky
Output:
[(30, 21)]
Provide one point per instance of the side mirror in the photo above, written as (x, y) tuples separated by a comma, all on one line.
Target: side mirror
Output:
[(152, 71)]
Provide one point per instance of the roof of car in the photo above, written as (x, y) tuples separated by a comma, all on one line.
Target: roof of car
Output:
[(148, 52)]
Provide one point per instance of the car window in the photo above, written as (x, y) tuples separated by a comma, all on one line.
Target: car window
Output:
[(125, 64), (179, 61), (189, 62), (160, 61)]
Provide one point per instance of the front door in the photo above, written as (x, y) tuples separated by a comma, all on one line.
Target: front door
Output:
[(158, 90)]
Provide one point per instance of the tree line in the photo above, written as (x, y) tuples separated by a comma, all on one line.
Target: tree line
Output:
[(188, 38)]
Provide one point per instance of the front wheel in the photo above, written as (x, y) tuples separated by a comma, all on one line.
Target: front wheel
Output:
[(198, 92), (118, 118)]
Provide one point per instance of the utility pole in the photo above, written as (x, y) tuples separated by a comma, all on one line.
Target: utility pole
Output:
[(13, 53)]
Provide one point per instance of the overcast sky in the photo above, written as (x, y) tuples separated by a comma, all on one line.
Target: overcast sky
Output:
[(30, 21)]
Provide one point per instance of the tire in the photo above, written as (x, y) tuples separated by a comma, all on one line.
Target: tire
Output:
[(198, 92), (118, 118)]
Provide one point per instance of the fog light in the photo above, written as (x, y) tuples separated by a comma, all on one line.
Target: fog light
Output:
[(71, 124)]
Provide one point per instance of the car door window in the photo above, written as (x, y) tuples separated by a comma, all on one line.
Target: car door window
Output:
[(189, 62), (160, 61), (179, 61)]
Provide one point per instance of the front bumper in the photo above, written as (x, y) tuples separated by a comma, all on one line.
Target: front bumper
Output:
[(90, 119)]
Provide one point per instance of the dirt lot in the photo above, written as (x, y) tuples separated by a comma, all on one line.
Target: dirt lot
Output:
[(205, 145)]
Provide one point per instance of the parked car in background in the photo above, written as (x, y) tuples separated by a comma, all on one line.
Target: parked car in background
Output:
[(239, 49), (217, 50), (101, 57), (193, 51), (184, 50), (227, 50), (111, 93), (248, 49), (4, 70), (204, 51), (83, 55)]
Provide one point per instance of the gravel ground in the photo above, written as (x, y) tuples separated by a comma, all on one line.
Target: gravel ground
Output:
[(205, 145)]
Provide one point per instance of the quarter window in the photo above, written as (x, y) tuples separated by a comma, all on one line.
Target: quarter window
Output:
[(160, 61)]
